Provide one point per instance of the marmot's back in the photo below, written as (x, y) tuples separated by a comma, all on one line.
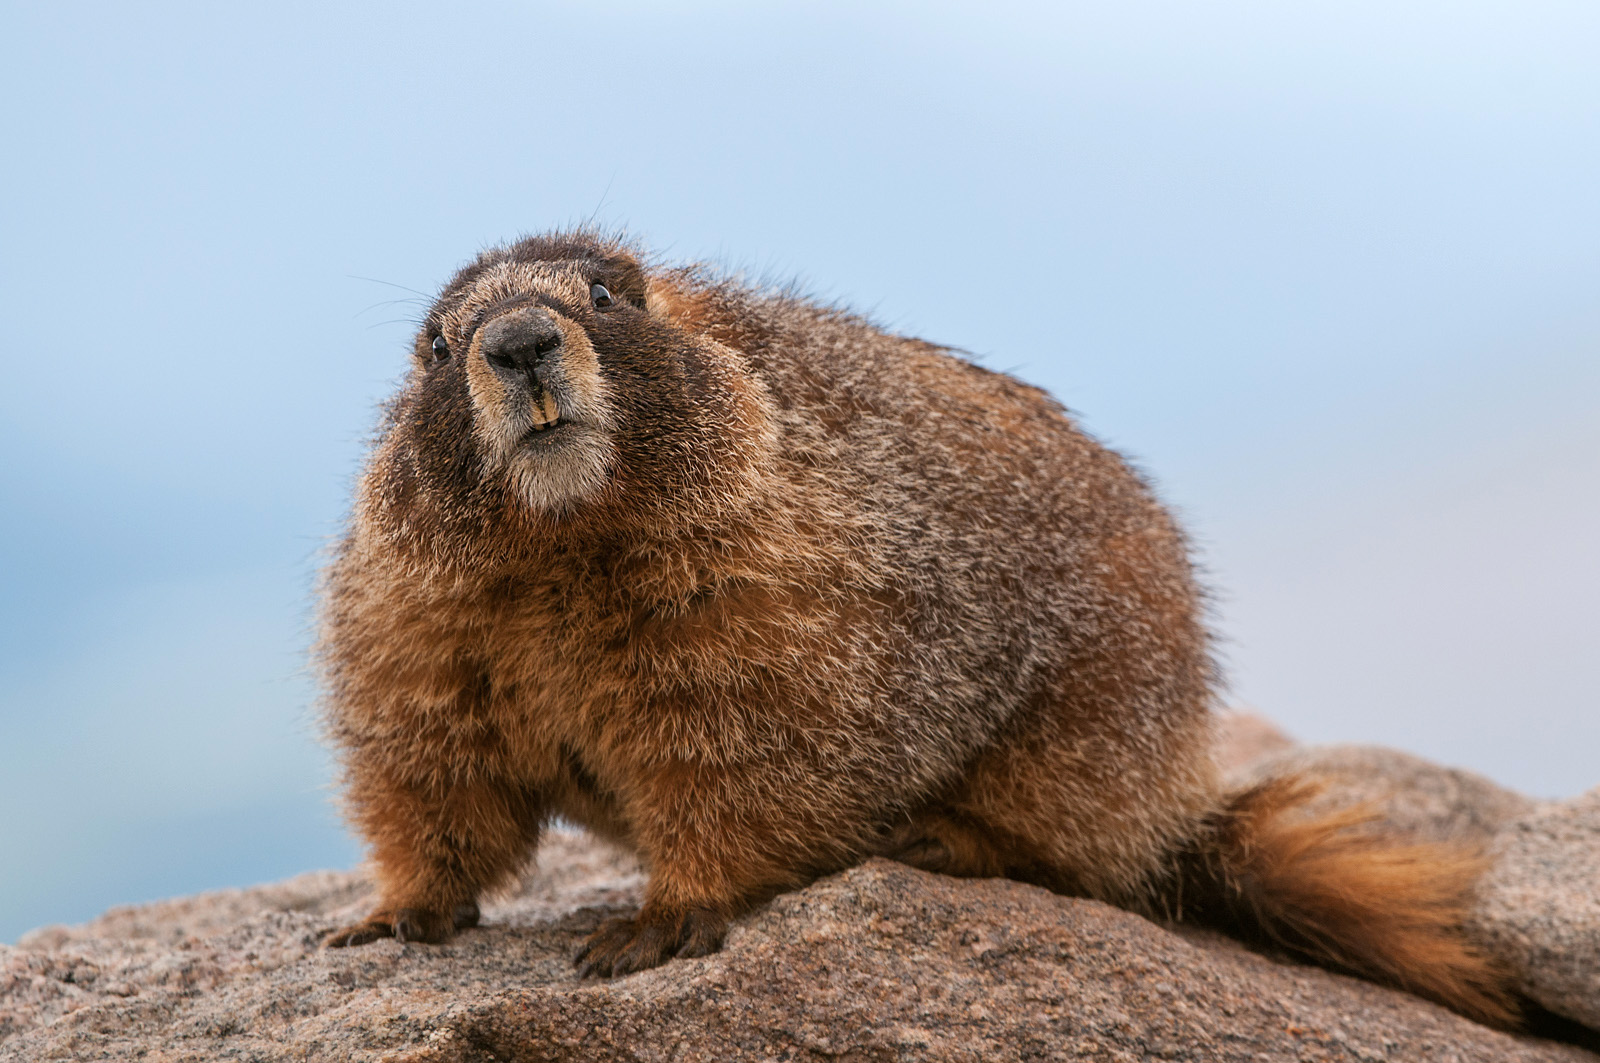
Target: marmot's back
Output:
[(1025, 541)]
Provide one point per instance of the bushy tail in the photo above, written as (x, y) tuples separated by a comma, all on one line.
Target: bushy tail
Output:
[(1339, 895)]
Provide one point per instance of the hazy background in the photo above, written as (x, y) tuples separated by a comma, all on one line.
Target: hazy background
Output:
[(1330, 271)]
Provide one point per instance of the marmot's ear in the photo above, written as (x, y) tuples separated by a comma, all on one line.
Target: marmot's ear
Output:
[(663, 300), (666, 298), (626, 279)]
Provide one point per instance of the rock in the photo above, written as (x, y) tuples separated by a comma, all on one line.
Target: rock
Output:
[(1539, 908), (1244, 737), (1413, 797), (208, 913), (881, 962)]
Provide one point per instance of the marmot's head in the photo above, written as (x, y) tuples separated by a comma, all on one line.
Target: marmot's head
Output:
[(549, 384)]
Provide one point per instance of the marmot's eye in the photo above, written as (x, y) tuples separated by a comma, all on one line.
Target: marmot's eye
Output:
[(601, 297), (441, 349)]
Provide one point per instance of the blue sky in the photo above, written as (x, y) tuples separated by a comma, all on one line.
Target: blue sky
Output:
[(1330, 272)]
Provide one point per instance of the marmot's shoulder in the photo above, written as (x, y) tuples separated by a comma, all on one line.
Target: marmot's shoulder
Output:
[(841, 366)]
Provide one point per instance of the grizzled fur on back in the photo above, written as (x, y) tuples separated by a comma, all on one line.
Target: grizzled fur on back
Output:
[(755, 589)]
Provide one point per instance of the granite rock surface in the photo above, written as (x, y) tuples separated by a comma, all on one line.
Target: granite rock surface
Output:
[(1539, 907), (881, 962)]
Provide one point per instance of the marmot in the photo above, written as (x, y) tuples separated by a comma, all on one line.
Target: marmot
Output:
[(757, 589)]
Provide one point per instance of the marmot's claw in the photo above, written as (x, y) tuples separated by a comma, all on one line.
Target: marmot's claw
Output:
[(407, 924), (597, 957), (360, 934), (426, 925), (623, 946)]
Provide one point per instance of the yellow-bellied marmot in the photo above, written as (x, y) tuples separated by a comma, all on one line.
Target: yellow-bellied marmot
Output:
[(756, 590)]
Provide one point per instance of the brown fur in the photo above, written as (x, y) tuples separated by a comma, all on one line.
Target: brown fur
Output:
[(1330, 889), (784, 591)]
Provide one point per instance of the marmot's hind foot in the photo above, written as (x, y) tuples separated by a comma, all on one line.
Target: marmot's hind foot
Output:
[(947, 845)]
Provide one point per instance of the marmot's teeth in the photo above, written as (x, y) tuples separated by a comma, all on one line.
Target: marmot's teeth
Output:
[(552, 412)]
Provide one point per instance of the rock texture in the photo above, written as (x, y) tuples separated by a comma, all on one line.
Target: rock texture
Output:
[(1244, 737), (1539, 908), (1411, 796), (879, 963)]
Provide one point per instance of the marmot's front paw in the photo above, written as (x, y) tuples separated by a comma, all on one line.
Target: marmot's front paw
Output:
[(405, 924), (622, 946)]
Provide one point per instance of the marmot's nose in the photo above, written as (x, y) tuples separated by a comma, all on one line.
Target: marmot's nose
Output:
[(521, 339)]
